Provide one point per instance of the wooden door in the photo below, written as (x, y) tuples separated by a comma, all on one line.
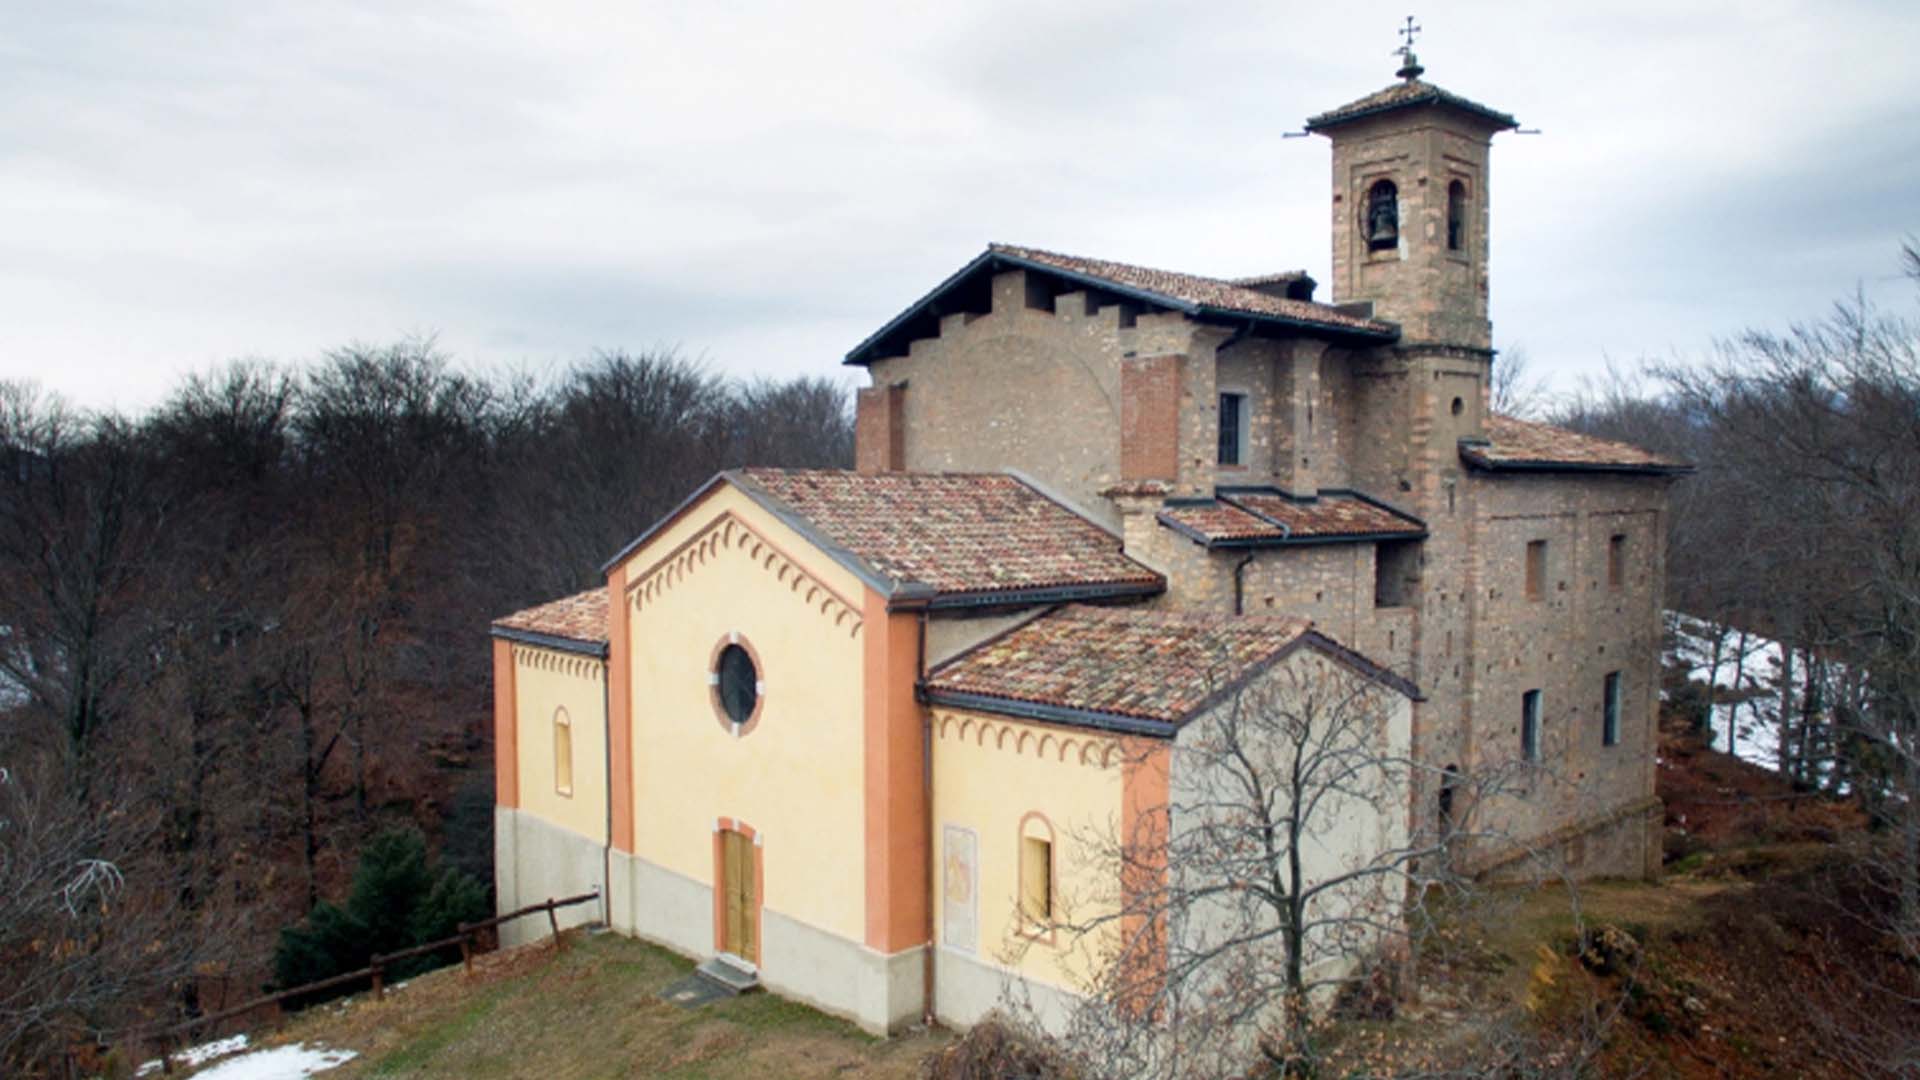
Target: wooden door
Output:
[(739, 931)]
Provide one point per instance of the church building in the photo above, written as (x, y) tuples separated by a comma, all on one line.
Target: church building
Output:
[(845, 728)]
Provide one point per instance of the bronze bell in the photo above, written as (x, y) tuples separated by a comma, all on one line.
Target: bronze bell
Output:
[(1383, 231)]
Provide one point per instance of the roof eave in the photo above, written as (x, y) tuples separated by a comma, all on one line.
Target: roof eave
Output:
[(861, 355), (1045, 594), (1494, 118), (1616, 468), (1383, 332), (1120, 723), (557, 642)]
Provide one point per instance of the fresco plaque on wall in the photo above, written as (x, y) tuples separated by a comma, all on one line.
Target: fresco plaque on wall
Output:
[(960, 889)]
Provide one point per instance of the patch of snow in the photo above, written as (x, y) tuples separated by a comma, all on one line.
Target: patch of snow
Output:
[(194, 1056), (292, 1062), (1747, 664), (279, 1063)]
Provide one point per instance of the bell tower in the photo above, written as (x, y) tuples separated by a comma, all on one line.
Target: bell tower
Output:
[(1410, 206)]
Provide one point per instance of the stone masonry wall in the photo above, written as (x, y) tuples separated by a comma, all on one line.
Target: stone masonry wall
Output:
[(1040, 391), (1564, 641)]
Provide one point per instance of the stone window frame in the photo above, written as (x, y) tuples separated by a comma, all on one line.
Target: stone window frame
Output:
[(1613, 694), (1369, 184), (727, 724), (1537, 569), (562, 731), (1531, 708), (1243, 448), (1042, 931), (1464, 252)]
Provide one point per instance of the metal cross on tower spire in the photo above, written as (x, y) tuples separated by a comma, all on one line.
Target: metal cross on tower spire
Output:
[(1410, 68)]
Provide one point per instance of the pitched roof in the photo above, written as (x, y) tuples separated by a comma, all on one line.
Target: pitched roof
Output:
[(967, 537), (1515, 444), (1406, 95), (1208, 293), (1218, 299), (1265, 517), (1124, 662), (580, 619), (1129, 669)]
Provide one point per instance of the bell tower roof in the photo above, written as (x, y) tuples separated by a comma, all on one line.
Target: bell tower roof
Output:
[(1410, 93), (1407, 94)]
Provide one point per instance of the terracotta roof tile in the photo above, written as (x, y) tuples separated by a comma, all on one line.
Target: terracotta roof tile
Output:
[(1404, 95), (1277, 517), (1206, 292), (580, 617), (1523, 444), (1144, 663), (957, 532)]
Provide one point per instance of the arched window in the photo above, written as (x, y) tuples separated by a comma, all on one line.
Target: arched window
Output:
[(1383, 216), (562, 752), (1449, 794), (1456, 216), (1036, 872)]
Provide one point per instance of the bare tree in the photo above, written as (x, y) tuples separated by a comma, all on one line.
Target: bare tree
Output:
[(1819, 424), (88, 928), (1514, 390), (1282, 867)]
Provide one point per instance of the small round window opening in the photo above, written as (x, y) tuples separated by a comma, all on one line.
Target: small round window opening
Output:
[(1459, 406), (736, 685)]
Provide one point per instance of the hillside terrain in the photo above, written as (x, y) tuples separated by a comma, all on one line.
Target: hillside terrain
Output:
[(1742, 962)]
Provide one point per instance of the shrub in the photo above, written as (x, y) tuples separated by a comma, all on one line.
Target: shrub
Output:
[(396, 902), (995, 1049)]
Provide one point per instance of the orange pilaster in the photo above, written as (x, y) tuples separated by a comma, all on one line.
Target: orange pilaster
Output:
[(896, 812), (1144, 780), (619, 711), (506, 728)]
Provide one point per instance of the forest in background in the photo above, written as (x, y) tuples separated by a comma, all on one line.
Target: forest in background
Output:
[(245, 632)]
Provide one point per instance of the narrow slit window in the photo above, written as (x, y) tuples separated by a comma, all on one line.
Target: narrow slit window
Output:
[(1036, 880), (1233, 426), (1456, 216), (1530, 725), (1536, 569), (1616, 560), (562, 752), (1610, 711)]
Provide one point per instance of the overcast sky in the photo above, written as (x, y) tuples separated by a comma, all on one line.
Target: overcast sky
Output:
[(763, 185)]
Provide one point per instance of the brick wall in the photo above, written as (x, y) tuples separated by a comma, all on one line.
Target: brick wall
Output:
[(879, 429)]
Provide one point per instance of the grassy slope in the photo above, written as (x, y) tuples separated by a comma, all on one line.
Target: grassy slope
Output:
[(1723, 991), (593, 1011)]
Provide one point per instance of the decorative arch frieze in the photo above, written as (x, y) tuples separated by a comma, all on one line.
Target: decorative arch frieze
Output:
[(577, 667), (1068, 748), (728, 537)]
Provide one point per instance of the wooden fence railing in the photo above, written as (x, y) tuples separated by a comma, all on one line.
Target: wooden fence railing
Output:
[(375, 972)]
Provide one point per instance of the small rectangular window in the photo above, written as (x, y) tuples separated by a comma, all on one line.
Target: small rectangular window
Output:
[(1233, 409), (1610, 712), (1036, 879), (1536, 569), (562, 753), (1396, 573), (1530, 725), (1616, 560)]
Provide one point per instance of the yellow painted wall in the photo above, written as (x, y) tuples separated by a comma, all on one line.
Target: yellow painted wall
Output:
[(545, 680), (989, 772), (796, 778)]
